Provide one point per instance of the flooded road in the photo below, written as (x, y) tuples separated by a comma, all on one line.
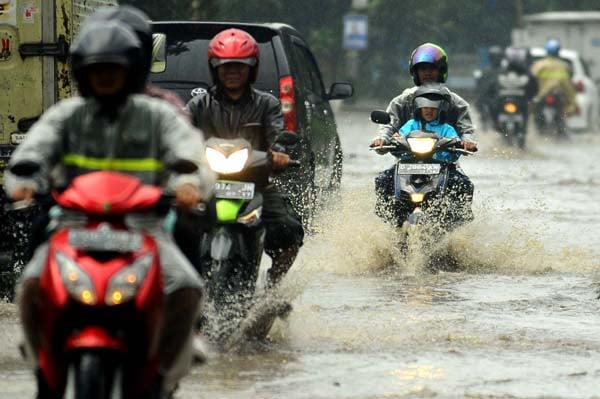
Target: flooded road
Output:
[(520, 319)]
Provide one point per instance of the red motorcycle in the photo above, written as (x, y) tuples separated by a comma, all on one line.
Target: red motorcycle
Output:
[(102, 293)]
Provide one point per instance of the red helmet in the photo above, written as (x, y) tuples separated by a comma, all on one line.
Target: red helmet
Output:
[(233, 45)]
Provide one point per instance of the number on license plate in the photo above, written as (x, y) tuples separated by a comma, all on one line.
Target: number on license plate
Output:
[(234, 190), (418, 169)]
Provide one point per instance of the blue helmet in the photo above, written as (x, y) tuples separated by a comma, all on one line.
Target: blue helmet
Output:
[(552, 47)]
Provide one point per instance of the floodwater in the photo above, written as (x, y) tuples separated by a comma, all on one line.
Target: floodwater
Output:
[(519, 319)]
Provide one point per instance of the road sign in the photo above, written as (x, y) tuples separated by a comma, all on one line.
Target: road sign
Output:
[(356, 29)]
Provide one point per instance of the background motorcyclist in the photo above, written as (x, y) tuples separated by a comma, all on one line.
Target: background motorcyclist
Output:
[(139, 22), (428, 64), (232, 108), (107, 124), (515, 82), (554, 77), (486, 87), (431, 104)]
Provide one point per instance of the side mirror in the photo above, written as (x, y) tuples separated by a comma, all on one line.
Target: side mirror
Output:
[(159, 53), (381, 117), (340, 90)]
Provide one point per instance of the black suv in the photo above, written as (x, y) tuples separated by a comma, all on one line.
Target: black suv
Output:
[(288, 70)]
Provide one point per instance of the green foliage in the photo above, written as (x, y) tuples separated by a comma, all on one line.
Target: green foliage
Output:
[(395, 28)]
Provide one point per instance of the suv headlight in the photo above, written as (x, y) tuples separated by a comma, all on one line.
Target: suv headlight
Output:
[(77, 282), (421, 145), (220, 163), (124, 285)]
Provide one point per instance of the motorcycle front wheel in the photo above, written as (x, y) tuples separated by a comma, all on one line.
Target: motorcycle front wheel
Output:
[(90, 377)]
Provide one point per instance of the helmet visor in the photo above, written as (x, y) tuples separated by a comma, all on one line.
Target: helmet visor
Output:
[(422, 102), (215, 62), (428, 54)]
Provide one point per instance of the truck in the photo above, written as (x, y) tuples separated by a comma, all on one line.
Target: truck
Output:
[(576, 30), (34, 74)]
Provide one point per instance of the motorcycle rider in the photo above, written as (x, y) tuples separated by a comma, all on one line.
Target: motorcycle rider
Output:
[(515, 81), (431, 103), (111, 127), (428, 64), (232, 108), (554, 77), (139, 22), (486, 86)]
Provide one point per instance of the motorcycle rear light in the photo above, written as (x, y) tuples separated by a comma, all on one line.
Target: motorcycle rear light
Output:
[(579, 87), (550, 100), (510, 108), (287, 96)]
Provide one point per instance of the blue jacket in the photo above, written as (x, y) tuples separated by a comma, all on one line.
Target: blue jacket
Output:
[(442, 130)]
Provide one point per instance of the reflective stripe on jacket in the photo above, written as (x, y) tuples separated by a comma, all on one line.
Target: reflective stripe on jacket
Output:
[(73, 137)]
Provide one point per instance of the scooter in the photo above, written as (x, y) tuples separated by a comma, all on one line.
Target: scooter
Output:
[(511, 122), (231, 250), (550, 116), (102, 291), (420, 180)]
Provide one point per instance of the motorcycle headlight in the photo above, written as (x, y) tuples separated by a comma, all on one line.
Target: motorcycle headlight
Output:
[(417, 197), (221, 163), (510, 108), (124, 285), (77, 282), (421, 145)]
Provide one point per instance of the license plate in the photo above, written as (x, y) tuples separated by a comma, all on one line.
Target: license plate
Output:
[(105, 239), (234, 190), (510, 118), (418, 168)]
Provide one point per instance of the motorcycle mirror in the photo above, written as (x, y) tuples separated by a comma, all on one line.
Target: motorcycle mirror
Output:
[(159, 51), (381, 117)]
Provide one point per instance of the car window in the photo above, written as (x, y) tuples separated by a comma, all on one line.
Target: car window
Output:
[(308, 72), (187, 63)]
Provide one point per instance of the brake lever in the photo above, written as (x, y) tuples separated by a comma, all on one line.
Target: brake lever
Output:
[(21, 205)]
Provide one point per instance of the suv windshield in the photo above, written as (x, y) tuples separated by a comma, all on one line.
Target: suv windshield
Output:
[(187, 64)]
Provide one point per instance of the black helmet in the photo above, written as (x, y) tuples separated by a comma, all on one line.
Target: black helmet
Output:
[(106, 42), (495, 54), (517, 58), (139, 22), (432, 95)]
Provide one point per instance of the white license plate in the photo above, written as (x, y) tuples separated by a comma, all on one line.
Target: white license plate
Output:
[(418, 168), (105, 239), (234, 190), (510, 118)]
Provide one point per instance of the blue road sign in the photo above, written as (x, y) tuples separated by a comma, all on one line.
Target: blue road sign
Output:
[(356, 29)]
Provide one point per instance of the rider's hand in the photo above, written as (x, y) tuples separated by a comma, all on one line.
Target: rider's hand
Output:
[(187, 196), (22, 194), (280, 159), (470, 146), (378, 142)]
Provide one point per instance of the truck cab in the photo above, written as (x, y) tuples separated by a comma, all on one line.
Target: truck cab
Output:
[(34, 74)]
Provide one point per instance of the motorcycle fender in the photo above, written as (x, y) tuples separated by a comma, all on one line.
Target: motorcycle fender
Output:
[(221, 245), (228, 210), (94, 337)]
